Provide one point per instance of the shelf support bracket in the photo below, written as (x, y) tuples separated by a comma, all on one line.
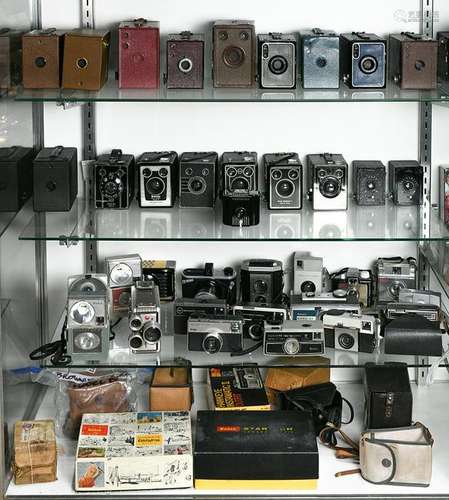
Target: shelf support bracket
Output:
[(89, 153)]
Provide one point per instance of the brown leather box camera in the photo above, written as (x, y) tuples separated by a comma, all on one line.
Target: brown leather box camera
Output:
[(10, 58), (413, 61), (185, 61), (42, 59), (86, 59), (234, 54)]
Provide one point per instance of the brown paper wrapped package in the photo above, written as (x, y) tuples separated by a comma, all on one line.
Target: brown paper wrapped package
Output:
[(171, 390), (34, 452), (286, 379)]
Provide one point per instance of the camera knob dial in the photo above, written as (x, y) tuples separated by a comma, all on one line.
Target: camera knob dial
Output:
[(291, 346)]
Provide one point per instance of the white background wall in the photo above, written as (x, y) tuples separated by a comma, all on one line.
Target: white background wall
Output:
[(381, 131)]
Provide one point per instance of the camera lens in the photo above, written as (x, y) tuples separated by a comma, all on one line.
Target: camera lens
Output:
[(255, 331), (110, 188), (232, 172), (81, 63), (408, 185), (163, 172), (155, 186), (136, 342), (248, 172), (197, 185), (152, 333), (293, 174), (420, 65), (278, 65), (308, 287), (185, 65), (285, 188), (276, 174), (233, 56), (212, 343), (291, 346), (321, 62), (346, 341), (330, 187), (40, 62), (146, 172), (239, 184), (82, 312), (368, 64), (260, 286), (395, 288), (136, 324)]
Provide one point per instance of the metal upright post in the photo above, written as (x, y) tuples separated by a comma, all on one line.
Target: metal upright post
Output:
[(425, 159), (89, 153)]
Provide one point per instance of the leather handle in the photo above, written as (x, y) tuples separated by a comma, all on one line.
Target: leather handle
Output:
[(361, 34), (56, 151), (411, 35), (317, 31)]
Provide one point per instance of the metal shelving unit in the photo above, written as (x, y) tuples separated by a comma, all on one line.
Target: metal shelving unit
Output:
[(84, 225)]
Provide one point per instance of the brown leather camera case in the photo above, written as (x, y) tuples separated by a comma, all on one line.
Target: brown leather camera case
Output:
[(171, 389), (413, 61), (86, 59), (10, 58), (234, 54), (42, 59), (185, 61)]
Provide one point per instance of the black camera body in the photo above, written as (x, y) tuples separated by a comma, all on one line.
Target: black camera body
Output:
[(190, 308), (328, 181), (114, 180), (355, 282), (254, 316), (261, 281), (163, 272), (207, 284), (369, 182), (158, 179), (406, 182), (198, 179), (239, 171), (213, 335), (363, 60), (283, 181), (277, 61), (241, 209)]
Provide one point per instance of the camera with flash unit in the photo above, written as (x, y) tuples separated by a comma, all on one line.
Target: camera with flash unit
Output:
[(123, 271), (87, 318), (145, 318)]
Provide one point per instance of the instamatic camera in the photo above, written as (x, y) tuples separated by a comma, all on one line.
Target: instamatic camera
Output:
[(293, 338), (328, 179), (277, 61), (198, 179), (350, 332), (406, 182), (283, 180), (393, 275), (363, 60), (307, 274), (191, 308), (320, 59), (215, 335), (262, 281), (158, 179), (240, 172), (209, 284), (254, 317), (145, 318), (87, 318), (369, 182), (304, 307), (114, 180)]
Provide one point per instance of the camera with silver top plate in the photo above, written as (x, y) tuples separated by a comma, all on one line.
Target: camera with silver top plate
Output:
[(293, 338), (277, 61)]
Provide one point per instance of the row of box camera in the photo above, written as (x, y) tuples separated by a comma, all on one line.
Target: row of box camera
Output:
[(198, 177), (323, 310), (79, 59), (125, 446)]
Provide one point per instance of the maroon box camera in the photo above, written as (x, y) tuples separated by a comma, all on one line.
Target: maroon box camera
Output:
[(139, 55), (185, 61)]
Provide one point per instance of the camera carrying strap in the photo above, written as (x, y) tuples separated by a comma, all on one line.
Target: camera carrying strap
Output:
[(138, 23), (318, 31), (200, 157), (115, 155), (328, 158), (276, 35), (284, 158)]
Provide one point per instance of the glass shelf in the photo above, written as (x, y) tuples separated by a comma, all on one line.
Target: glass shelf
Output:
[(186, 224), (174, 352), (111, 93), (5, 220)]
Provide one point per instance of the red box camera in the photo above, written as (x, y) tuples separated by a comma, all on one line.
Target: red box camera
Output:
[(139, 55)]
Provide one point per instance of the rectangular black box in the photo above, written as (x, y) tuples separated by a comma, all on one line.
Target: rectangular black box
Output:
[(255, 446), (16, 177), (55, 179), (388, 396)]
